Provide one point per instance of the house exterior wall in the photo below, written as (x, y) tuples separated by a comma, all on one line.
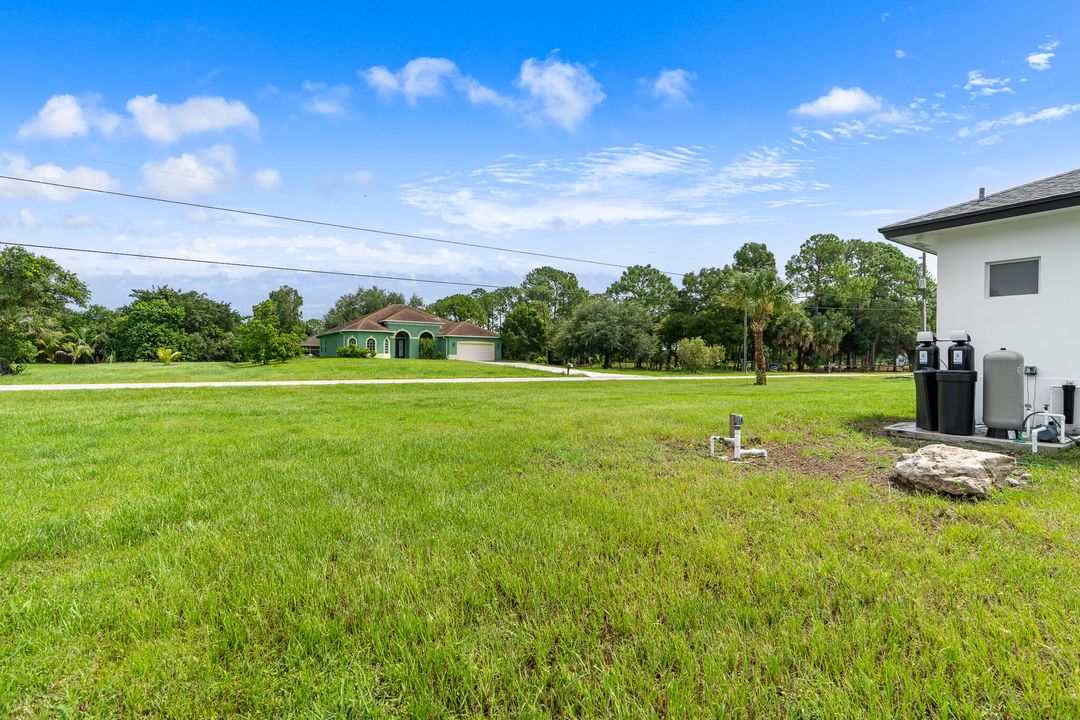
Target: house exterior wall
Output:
[(329, 344), (452, 343), (414, 329), (1043, 327)]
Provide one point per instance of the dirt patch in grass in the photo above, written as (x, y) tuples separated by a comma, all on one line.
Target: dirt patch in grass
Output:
[(815, 457)]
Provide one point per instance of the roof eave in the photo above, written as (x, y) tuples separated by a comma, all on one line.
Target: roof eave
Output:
[(901, 230)]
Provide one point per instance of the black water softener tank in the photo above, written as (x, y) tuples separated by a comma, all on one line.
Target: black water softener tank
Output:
[(956, 387), (926, 367), (961, 353)]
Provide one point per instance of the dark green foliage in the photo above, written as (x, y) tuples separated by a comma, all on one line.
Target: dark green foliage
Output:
[(524, 332), (497, 304), (33, 290), (287, 302), (261, 340), (146, 325), (355, 351), (602, 328), (427, 348), (646, 285), (557, 291), (210, 326), (460, 308), (753, 256), (357, 304)]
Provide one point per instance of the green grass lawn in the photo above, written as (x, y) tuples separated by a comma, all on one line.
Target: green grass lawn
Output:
[(301, 368), (650, 372), (554, 549)]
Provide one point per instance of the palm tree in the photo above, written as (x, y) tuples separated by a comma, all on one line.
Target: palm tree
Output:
[(760, 294), (78, 347), (167, 355)]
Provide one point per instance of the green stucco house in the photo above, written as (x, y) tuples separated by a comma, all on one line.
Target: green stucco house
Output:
[(396, 331)]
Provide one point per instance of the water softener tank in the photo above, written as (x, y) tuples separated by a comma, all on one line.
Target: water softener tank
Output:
[(926, 352), (956, 387), (1003, 393), (961, 354)]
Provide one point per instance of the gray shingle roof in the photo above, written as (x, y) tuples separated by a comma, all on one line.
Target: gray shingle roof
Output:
[(1050, 193)]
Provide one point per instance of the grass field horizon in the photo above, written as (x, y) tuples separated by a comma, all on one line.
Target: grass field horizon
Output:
[(518, 550), (301, 368)]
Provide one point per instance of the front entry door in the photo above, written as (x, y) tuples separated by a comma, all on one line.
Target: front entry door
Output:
[(401, 347)]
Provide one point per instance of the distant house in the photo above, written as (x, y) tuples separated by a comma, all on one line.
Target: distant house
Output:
[(310, 346), (1008, 265), (397, 330)]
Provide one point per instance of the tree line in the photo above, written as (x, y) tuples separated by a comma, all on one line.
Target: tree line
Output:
[(842, 302)]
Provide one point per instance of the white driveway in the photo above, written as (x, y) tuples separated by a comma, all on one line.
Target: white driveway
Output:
[(584, 376)]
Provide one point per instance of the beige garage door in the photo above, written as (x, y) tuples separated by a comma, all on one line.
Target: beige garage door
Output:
[(480, 351)]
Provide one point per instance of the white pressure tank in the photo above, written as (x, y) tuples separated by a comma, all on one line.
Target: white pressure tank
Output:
[(1003, 392)]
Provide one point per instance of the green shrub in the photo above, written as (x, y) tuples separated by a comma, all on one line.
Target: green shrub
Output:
[(427, 348), (695, 355), (167, 355), (439, 355), (355, 351)]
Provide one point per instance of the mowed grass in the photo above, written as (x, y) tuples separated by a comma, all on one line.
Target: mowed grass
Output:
[(517, 551), (301, 368)]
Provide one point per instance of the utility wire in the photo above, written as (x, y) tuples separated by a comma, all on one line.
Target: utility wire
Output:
[(194, 176), (321, 223), (313, 271)]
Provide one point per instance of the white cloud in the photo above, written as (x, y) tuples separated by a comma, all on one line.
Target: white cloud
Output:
[(28, 221), (19, 166), (421, 77), (166, 123), (323, 99), (978, 84), (561, 92), (608, 188), (877, 212), (190, 174), (1041, 60), (673, 86), (363, 178), (65, 116), (80, 222), (267, 178), (1019, 119), (566, 92), (900, 54), (427, 77), (841, 101)]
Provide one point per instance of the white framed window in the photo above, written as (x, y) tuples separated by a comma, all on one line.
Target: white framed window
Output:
[(1012, 277), (371, 344), (352, 342), (386, 346)]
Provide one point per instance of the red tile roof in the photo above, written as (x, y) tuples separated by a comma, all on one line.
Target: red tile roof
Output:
[(466, 329), (408, 314), (395, 313)]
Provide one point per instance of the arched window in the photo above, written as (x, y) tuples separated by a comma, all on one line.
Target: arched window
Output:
[(352, 342), (371, 344), (386, 346)]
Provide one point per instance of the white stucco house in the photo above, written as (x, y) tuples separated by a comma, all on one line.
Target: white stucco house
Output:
[(1009, 274)]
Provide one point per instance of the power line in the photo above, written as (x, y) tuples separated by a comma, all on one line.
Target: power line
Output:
[(321, 223), (216, 180), (312, 271)]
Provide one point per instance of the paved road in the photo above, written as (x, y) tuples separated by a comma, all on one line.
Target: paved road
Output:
[(584, 377)]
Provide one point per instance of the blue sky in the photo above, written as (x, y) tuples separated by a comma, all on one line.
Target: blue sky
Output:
[(662, 133)]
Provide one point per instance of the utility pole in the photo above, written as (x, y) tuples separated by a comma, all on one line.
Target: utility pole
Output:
[(922, 287), (744, 340)]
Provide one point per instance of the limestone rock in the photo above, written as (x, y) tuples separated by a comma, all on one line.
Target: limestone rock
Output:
[(955, 471)]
